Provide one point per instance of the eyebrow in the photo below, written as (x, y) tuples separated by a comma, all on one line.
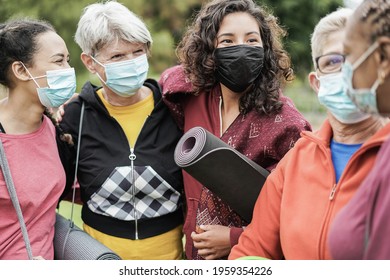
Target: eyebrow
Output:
[(246, 34), (59, 54)]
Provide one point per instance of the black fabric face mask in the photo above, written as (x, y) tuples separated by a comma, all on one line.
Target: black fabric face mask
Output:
[(238, 66)]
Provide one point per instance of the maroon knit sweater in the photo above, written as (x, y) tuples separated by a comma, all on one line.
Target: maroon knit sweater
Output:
[(265, 139)]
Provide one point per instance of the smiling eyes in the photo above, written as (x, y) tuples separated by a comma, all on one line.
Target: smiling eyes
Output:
[(121, 56), (231, 41), (62, 60)]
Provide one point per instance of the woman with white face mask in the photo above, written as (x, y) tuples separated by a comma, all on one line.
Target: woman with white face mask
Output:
[(321, 173), (35, 71), (130, 185), (362, 228)]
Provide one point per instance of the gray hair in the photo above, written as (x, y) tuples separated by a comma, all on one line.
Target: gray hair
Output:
[(333, 22), (104, 23)]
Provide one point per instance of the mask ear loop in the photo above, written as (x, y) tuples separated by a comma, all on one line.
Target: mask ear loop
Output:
[(94, 59), (100, 78), (31, 76), (382, 76), (379, 81), (97, 74), (365, 55)]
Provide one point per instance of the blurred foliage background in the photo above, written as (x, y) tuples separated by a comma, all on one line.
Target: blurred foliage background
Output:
[(168, 19)]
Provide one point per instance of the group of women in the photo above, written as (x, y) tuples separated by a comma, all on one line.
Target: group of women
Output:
[(232, 70)]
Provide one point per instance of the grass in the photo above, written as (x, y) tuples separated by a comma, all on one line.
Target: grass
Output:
[(306, 101), (65, 210)]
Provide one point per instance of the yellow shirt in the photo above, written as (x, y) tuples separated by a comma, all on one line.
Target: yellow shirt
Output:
[(131, 118), (166, 246)]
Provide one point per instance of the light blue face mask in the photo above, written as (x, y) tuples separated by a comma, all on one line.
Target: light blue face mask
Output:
[(125, 77), (333, 96), (364, 98), (61, 86)]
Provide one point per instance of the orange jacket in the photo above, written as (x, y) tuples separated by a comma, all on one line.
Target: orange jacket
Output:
[(300, 198)]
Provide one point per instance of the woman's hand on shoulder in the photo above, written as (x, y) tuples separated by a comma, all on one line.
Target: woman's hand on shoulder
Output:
[(59, 112)]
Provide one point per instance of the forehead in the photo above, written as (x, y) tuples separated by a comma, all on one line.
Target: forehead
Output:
[(49, 44), (334, 42), (239, 22)]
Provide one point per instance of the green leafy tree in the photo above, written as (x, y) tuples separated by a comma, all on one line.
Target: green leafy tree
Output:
[(167, 21), (299, 18)]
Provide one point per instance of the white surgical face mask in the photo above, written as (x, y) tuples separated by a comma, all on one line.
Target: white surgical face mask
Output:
[(364, 98), (333, 96), (61, 86), (125, 77)]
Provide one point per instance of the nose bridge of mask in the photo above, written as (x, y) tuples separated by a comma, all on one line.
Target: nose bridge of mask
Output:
[(141, 63), (137, 66), (136, 61), (365, 55), (130, 72), (332, 94), (330, 77), (332, 83), (61, 78)]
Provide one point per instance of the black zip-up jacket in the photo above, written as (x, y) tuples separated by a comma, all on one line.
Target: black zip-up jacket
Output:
[(108, 167)]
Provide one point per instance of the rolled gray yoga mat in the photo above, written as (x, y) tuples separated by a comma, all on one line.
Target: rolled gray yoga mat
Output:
[(233, 177), (72, 243)]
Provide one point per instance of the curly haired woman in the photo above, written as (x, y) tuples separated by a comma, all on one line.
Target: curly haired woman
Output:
[(229, 82)]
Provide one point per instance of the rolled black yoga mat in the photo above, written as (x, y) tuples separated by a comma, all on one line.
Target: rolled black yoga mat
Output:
[(235, 178)]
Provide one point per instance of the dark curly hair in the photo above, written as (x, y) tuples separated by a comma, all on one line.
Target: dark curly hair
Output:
[(196, 54), (376, 13)]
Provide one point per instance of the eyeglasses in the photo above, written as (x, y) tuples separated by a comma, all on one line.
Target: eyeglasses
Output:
[(330, 63)]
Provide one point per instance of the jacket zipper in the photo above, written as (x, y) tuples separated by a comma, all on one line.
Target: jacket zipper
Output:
[(333, 191), (132, 158), (220, 116), (331, 196), (355, 155), (334, 188)]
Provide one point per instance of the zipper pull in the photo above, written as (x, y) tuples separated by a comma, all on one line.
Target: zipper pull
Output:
[(132, 156), (332, 192)]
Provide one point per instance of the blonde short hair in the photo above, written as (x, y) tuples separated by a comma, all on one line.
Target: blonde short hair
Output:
[(329, 24)]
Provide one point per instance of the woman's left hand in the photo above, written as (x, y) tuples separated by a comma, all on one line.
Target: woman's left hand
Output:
[(213, 243)]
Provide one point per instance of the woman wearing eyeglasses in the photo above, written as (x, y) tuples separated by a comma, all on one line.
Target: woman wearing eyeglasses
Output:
[(321, 173)]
